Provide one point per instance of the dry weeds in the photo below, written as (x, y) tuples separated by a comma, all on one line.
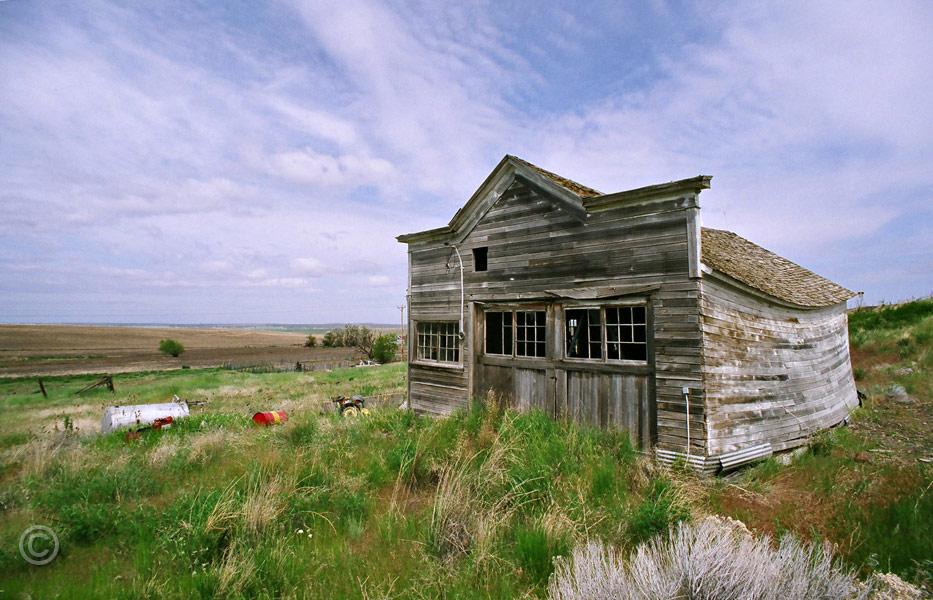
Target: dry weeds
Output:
[(41, 452), (464, 519), (236, 570), (254, 511), (713, 559)]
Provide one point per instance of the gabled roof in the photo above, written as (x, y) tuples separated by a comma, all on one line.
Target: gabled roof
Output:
[(577, 188), (506, 172), (722, 251), (767, 272), (577, 198)]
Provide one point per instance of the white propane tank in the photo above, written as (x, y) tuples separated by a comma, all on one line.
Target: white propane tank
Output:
[(118, 417)]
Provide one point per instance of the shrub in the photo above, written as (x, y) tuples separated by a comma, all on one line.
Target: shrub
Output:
[(535, 550), (351, 336), (660, 509), (384, 348), (715, 559), (360, 337), (311, 342), (171, 347), (331, 340)]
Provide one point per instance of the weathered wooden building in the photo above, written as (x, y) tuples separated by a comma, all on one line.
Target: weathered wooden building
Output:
[(619, 310)]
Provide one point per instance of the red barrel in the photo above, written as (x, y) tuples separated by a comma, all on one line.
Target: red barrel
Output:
[(274, 417)]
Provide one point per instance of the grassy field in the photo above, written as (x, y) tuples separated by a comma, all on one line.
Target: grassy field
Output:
[(396, 505)]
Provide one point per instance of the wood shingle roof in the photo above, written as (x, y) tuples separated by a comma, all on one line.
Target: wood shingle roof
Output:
[(768, 272)]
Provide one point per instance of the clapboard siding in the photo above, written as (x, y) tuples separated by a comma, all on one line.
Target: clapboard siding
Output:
[(771, 373), (535, 244), (753, 368), (438, 389)]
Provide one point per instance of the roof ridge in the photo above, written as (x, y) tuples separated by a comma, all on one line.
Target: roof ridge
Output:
[(579, 189)]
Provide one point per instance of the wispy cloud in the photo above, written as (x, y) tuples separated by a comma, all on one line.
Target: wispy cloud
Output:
[(258, 166)]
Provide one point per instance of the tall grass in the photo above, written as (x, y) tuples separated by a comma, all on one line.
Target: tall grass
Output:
[(393, 505), (478, 503)]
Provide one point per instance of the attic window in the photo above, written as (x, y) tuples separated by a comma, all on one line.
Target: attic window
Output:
[(480, 258)]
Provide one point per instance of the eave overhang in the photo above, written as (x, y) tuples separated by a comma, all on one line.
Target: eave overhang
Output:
[(692, 186)]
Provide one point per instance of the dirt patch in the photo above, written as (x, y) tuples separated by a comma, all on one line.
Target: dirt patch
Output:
[(785, 505), (902, 433), (35, 350), (871, 358)]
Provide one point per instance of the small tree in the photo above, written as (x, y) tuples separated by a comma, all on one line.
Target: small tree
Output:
[(171, 347), (311, 342), (351, 336), (384, 348), (330, 340), (363, 338)]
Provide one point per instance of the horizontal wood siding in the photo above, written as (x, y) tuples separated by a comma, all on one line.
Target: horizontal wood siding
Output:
[(437, 391), (536, 244), (772, 374)]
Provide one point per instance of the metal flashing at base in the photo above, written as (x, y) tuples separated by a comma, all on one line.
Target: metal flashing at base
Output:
[(733, 460), (706, 464), (712, 464)]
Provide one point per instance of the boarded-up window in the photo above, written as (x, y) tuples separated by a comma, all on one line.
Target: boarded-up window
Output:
[(439, 341), (584, 334), (626, 331), (517, 333)]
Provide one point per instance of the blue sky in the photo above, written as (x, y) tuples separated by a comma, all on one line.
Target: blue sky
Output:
[(253, 162)]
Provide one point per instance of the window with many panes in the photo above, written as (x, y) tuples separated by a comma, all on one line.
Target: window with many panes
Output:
[(529, 333), (439, 341), (618, 332), (516, 333), (626, 331)]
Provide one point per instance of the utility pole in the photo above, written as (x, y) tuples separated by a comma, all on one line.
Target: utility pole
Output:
[(401, 318)]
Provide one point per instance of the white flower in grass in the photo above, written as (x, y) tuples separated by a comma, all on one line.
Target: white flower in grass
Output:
[(299, 531)]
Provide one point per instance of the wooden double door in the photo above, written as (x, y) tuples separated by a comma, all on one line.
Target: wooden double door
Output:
[(599, 397)]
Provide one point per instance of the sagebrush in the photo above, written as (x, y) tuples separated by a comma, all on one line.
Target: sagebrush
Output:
[(714, 559)]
